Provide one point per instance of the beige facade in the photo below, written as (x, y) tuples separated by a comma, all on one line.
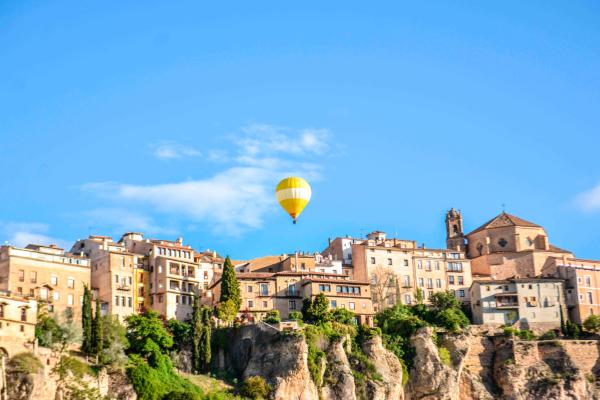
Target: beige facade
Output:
[(582, 287), (114, 276), (18, 317), (55, 278), (285, 291), (396, 268), (508, 246), (536, 304)]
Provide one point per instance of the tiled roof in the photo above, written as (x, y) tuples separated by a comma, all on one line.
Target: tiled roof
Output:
[(505, 219)]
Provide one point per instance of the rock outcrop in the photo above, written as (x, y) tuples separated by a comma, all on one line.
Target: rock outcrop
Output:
[(338, 379)]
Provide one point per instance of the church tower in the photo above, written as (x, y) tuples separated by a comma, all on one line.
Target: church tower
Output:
[(455, 237)]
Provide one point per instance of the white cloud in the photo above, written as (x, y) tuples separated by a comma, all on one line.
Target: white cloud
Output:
[(232, 201), (21, 234), (171, 150), (590, 200), (120, 220)]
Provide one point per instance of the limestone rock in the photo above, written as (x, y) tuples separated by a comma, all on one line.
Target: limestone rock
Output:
[(338, 378), (390, 369)]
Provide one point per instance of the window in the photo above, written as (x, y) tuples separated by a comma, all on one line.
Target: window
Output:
[(460, 280), (430, 293), (1, 311), (590, 297), (249, 288), (352, 306), (588, 281), (50, 307), (438, 283), (54, 280), (129, 302), (123, 301), (21, 275), (292, 304), (264, 289), (333, 303), (502, 242), (429, 283), (406, 281), (461, 293), (324, 288), (56, 295), (291, 289), (205, 274), (116, 300), (116, 279), (437, 265), (20, 291), (130, 280), (407, 299), (160, 298), (250, 303), (421, 284), (428, 265), (177, 299), (33, 276), (372, 260), (420, 264), (406, 263), (265, 304), (70, 299), (71, 283), (23, 314)]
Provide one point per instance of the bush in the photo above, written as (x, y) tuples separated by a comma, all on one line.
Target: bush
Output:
[(26, 363), (550, 335), (592, 323), (445, 356), (572, 330), (273, 317), (524, 334), (343, 316), (296, 316), (452, 319), (78, 368), (255, 387), (181, 396)]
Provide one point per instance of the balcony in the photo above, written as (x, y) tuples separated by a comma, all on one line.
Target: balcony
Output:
[(122, 286), (507, 300)]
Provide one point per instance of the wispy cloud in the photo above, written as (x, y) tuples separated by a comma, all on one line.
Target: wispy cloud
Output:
[(171, 150), (589, 200), (21, 234), (120, 219), (236, 199)]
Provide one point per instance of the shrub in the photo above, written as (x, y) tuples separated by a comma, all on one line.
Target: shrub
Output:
[(445, 356), (572, 330), (592, 323), (26, 363), (78, 368), (550, 335), (296, 316), (273, 317), (524, 334), (255, 387), (452, 319), (181, 396), (343, 316)]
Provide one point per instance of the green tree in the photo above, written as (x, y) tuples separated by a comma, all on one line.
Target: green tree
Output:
[(201, 337), (97, 330), (230, 287), (148, 336), (256, 388), (592, 323), (445, 300), (453, 319), (572, 330), (227, 310), (181, 332), (86, 321), (419, 296), (316, 311), (343, 316), (273, 317)]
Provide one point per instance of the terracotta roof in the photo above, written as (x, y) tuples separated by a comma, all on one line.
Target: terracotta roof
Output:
[(262, 262), (505, 219)]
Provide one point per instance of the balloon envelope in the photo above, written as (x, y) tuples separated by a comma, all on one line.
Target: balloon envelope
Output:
[(293, 194)]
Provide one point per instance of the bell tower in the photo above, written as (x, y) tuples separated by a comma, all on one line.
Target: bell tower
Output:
[(455, 237)]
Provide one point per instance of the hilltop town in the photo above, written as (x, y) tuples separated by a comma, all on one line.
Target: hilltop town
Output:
[(505, 273)]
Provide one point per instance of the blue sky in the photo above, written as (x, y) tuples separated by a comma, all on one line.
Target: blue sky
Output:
[(179, 118)]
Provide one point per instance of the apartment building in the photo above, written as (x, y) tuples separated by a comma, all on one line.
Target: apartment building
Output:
[(297, 262), (119, 279), (18, 316), (210, 264), (47, 273), (174, 274), (396, 268), (582, 286), (285, 291), (529, 303)]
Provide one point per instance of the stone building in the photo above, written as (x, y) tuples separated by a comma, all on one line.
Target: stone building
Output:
[(18, 316), (285, 291), (119, 278), (396, 268), (529, 303), (47, 273), (582, 281), (508, 246)]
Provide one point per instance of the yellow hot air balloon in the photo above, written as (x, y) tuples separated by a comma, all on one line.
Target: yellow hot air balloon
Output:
[(293, 194)]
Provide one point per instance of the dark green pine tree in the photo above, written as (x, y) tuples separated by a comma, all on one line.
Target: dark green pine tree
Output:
[(97, 331), (86, 321), (205, 339), (196, 336), (230, 288)]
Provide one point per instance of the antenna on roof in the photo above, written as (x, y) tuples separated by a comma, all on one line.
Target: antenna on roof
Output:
[(503, 207)]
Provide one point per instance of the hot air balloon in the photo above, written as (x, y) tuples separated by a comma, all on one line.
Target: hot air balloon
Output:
[(293, 194)]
